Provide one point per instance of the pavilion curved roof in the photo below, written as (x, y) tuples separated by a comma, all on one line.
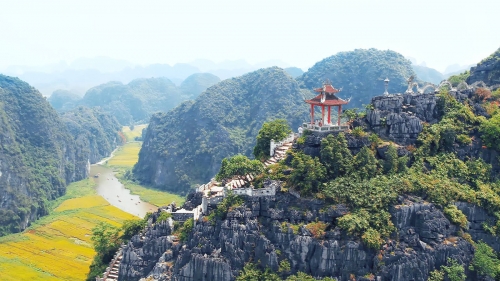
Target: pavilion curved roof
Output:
[(330, 99), (327, 88)]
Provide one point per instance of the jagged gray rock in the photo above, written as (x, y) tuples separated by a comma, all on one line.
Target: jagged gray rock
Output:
[(258, 232)]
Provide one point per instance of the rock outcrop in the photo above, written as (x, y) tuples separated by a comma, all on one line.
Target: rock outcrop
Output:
[(488, 70), (268, 230), (400, 117)]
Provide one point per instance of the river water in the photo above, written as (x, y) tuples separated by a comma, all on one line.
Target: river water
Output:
[(108, 186)]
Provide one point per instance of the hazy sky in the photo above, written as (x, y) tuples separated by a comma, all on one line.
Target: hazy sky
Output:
[(297, 32)]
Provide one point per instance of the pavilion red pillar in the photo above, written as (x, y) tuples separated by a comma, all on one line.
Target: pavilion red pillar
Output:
[(322, 114), (329, 113), (312, 114), (340, 112)]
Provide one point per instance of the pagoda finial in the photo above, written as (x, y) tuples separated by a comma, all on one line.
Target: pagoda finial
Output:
[(327, 82)]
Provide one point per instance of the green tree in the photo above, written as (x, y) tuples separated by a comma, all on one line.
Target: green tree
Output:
[(276, 130), (238, 165), (308, 173), (336, 156), (391, 160), (365, 163), (490, 130), (132, 227), (106, 238), (485, 261), (454, 270)]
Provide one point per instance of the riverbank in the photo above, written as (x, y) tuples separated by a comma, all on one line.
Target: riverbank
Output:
[(123, 160), (58, 246)]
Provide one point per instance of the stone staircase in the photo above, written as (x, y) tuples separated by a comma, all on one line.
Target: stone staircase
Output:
[(111, 272), (279, 154)]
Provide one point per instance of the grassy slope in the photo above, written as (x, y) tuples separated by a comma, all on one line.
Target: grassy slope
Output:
[(125, 158), (58, 246)]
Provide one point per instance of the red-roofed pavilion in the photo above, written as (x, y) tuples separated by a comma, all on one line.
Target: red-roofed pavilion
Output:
[(326, 98)]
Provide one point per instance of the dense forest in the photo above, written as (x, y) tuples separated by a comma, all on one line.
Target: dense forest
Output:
[(360, 74), (39, 155)]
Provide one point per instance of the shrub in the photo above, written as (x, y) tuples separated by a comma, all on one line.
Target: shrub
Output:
[(358, 132), (456, 216), (482, 94), (284, 266), (186, 229), (454, 270), (485, 261), (317, 229), (276, 130), (372, 238), (163, 216), (490, 130), (132, 227), (436, 275)]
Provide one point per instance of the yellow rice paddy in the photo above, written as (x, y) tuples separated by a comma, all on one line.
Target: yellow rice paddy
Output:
[(58, 246)]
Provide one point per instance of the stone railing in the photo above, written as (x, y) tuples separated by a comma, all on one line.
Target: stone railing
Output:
[(325, 128), (275, 144)]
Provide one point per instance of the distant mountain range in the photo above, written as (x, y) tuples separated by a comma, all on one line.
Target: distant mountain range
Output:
[(136, 101), (84, 73)]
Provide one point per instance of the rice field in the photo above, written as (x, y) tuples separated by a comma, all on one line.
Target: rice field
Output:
[(126, 155), (136, 132), (58, 246), (124, 159)]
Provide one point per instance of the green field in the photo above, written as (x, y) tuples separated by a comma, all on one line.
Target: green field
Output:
[(58, 246), (131, 135), (124, 159)]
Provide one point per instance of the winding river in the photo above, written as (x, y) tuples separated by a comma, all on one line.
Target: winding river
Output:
[(108, 186)]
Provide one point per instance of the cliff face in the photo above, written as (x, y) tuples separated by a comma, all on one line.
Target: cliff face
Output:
[(95, 133), (268, 230), (38, 155), (400, 117), (488, 70)]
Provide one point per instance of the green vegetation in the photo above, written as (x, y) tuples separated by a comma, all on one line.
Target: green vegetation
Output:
[(273, 130), (230, 202), (360, 73), (133, 132), (454, 271), (456, 79), (238, 166), (138, 100), (490, 132), (485, 261), (63, 100), (251, 272), (124, 158), (184, 230), (189, 142), (42, 152), (456, 216), (490, 76), (63, 235)]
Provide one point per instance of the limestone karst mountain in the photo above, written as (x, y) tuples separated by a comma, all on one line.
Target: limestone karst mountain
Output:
[(136, 101), (186, 145), (39, 155), (488, 70), (360, 74)]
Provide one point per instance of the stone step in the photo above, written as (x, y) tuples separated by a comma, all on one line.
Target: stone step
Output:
[(112, 276)]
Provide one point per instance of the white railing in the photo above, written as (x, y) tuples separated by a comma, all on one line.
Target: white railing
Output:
[(274, 144), (325, 128)]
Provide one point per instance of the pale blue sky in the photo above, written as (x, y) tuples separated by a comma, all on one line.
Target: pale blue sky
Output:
[(297, 32)]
